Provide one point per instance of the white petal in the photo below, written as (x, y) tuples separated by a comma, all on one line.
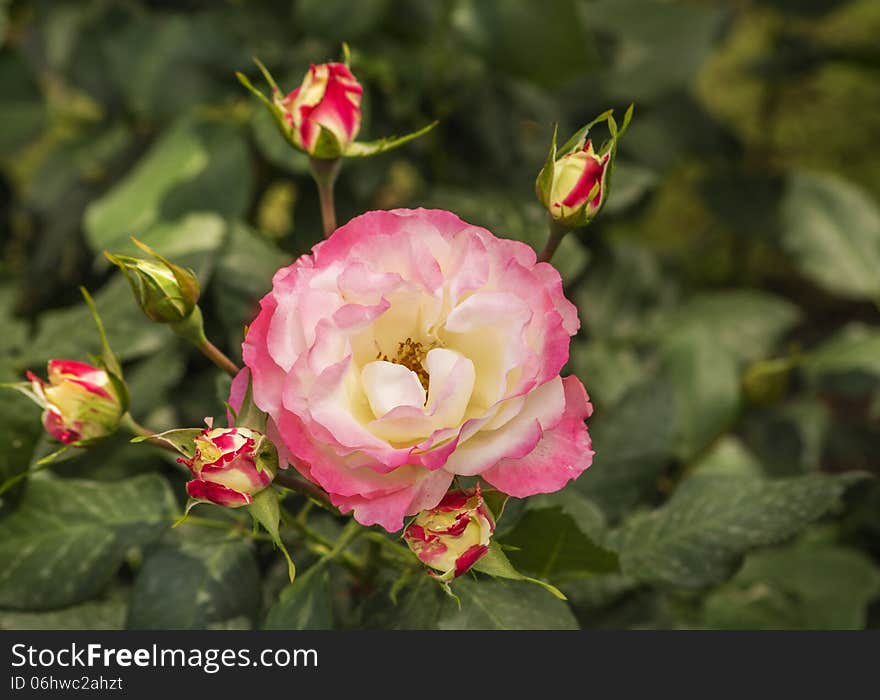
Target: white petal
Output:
[(451, 384), (389, 385)]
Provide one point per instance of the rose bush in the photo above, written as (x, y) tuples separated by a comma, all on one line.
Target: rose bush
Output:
[(411, 347)]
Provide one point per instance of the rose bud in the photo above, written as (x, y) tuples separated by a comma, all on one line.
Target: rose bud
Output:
[(230, 466), (323, 115), (577, 190), (574, 183), (452, 536), (166, 292), (80, 402)]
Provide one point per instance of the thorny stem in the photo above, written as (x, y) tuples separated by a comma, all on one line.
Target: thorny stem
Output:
[(557, 233), (325, 171)]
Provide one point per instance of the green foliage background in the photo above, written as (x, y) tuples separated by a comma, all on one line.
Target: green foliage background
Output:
[(728, 294)]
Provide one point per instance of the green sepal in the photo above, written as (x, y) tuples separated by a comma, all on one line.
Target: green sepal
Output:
[(248, 415), (346, 54), (544, 183), (326, 146), (265, 511), (185, 277), (181, 439), (190, 504), (265, 455), (108, 360), (274, 109), (362, 149), (26, 389), (495, 563), (192, 328), (495, 501)]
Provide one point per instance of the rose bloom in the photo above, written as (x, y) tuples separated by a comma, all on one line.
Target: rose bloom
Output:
[(329, 97), (410, 347)]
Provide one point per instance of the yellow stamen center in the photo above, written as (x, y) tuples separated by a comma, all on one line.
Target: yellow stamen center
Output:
[(411, 355)]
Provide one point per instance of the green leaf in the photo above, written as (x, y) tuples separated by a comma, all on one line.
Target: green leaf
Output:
[(24, 111), (696, 539), (807, 586), (194, 582), (728, 457), (662, 46), (832, 230), (488, 604), (105, 613), (305, 605), (243, 276), (557, 537), (495, 563), (705, 381), (504, 605), (20, 429), (745, 323), (71, 332), (266, 511), (192, 167), (192, 241), (68, 537), (855, 348), (633, 441)]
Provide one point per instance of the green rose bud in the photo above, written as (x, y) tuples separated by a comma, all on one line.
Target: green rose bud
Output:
[(166, 292)]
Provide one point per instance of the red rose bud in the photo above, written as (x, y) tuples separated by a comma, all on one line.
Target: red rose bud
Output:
[(577, 188), (230, 466), (166, 292), (80, 402), (452, 536), (328, 101)]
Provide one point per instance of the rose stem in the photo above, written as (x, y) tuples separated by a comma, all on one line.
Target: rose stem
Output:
[(324, 171), (213, 353), (320, 544), (231, 527), (300, 485), (557, 233)]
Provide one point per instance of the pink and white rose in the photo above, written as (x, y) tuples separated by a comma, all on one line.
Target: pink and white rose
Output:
[(328, 101), (411, 347), (230, 466), (454, 535), (80, 401)]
